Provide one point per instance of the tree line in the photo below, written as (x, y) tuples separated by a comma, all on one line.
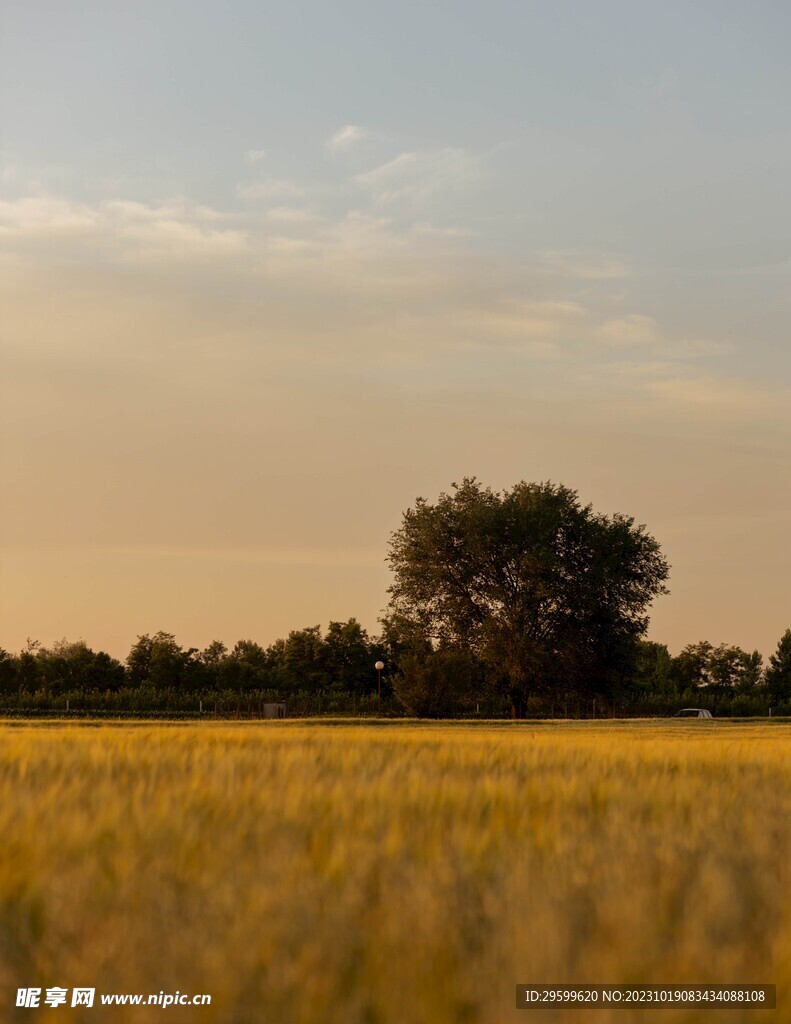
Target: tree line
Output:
[(523, 602), (333, 672), (339, 660)]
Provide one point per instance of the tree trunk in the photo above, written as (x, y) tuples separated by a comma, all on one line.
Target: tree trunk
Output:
[(518, 706)]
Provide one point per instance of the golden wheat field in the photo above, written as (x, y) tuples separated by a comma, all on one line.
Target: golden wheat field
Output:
[(392, 873)]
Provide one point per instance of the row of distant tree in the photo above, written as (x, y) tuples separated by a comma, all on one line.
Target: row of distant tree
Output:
[(342, 659), (724, 679), (418, 678), (523, 599)]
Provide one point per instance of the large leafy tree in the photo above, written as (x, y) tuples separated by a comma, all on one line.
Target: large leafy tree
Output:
[(159, 661), (246, 667), (349, 657), (301, 661), (718, 669), (543, 590), (653, 671), (71, 665)]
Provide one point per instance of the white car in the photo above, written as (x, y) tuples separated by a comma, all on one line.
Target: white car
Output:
[(693, 713)]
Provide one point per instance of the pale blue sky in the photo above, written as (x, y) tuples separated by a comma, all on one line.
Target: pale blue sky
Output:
[(290, 248)]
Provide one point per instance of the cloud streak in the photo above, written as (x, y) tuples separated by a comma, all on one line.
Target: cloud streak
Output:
[(347, 137), (364, 264), (418, 177)]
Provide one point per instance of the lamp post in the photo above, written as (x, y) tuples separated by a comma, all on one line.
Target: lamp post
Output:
[(379, 666)]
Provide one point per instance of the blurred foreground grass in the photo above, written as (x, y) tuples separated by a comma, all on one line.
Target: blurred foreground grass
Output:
[(393, 874)]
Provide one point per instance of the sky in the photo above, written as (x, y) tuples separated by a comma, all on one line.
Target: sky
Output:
[(270, 271)]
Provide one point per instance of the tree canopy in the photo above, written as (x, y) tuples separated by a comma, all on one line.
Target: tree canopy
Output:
[(545, 591), (778, 674)]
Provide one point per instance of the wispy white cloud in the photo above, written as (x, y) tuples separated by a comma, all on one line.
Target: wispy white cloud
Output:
[(176, 229), (42, 216), (418, 282), (255, 156), (159, 238), (133, 229), (347, 137), (415, 177), (694, 392), (179, 209)]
